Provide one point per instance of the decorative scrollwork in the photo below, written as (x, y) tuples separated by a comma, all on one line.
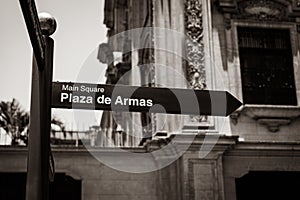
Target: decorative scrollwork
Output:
[(195, 48), (193, 13), (263, 10), (194, 44)]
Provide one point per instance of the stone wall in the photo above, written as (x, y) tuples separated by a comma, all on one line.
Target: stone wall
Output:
[(206, 170)]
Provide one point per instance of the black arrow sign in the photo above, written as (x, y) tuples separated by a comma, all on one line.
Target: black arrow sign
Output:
[(143, 99)]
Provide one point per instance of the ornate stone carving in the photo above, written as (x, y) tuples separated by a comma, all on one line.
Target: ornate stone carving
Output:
[(193, 14), (195, 48), (234, 117), (194, 44), (263, 10), (273, 125)]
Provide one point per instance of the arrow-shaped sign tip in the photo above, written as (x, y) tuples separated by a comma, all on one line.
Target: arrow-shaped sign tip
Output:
[(232, 103)]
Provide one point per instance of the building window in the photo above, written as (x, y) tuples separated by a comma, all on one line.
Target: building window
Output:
[(266, 66)]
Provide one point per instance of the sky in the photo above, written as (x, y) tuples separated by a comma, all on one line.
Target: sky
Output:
[(79, 31)]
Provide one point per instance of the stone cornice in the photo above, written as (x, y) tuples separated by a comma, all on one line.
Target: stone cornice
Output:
[(194, 142), (264, 148)]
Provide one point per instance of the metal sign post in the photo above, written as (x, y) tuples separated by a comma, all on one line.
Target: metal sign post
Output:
[(34, 29), (39, 29)]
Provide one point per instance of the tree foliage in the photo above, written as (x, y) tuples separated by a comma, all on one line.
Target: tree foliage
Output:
[(14, 120)]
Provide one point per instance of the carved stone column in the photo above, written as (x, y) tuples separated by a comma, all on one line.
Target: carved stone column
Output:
[(194, 44), (195, 56)]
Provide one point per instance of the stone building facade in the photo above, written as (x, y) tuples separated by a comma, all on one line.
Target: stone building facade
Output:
[(249, 48)]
